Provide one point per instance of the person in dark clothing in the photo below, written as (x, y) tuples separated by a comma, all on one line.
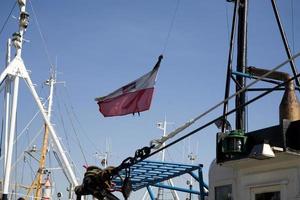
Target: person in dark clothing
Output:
[(97, 182)]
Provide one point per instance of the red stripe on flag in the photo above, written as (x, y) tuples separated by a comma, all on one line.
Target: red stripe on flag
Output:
[(127, 103)]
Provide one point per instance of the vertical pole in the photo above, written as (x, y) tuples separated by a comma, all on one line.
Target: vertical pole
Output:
[(7, 104), (229, 63), (45, 143), (241, 64), (285, 41), (11, 139), (164, 128), (201, 183)]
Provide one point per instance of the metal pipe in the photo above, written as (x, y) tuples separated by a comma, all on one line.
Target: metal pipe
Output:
[(285, 41), (7, 104), (177, 188), (229, 63), (11, 139), (289, 106), (240, 121)]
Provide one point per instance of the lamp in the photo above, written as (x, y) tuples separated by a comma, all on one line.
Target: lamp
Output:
[(24, 19), (22, 2), (16, 39), (262, 151)]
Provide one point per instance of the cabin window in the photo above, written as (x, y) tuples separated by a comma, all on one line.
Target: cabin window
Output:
[(268, 196), (223, 192)]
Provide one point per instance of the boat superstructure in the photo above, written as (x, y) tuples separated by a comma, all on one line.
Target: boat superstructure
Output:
[(263, 164)]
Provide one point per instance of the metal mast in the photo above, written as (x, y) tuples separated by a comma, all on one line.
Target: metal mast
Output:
[(37, 183), (163, 126), (241, 63), (15, 70)]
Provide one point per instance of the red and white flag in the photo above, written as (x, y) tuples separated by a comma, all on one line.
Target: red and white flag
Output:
[(134, 97)]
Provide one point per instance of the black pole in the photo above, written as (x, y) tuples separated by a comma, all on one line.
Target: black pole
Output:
[(285, 41), (241, 64), (229, 63)]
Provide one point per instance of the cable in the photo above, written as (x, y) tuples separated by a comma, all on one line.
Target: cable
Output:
[(41, 34), (76, 134), (78, 121), (6, 20), (62, 121), (227, 19), (293, 26), (171, 26)]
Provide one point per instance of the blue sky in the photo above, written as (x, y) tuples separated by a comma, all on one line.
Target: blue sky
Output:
[(100, 45)]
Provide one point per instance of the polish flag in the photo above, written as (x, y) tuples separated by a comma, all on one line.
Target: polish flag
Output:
[(134, 97)]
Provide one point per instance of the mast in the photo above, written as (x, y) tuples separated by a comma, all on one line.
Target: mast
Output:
[(241, 63), (38, 182), (163, 126), (16, 70)]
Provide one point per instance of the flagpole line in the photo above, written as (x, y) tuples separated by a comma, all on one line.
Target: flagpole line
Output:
[(171, 27), (190, 122)]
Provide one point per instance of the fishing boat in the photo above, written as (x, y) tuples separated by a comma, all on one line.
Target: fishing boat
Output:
[(260, 164)]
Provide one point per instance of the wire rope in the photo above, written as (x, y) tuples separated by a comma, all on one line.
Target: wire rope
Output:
[(41, 34), (62, 121), (293, 25), (29, 145), (76, 134), (77, 119), (6, 20), (171, 27), (25, 128), (227, 19)]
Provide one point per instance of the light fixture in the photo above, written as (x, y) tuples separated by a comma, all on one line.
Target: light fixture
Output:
[(262, 151), (24, 19), (22, 2), (16, 39), (234, 142)]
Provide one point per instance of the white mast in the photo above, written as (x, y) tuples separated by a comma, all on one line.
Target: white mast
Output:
[(7, 104), (17, 69), (163, 126)]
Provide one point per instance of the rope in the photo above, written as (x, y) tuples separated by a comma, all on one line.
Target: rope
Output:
[(77, 119), (171, 27), (6, 20), (293, 26), (29, 145), (41, 33), (227, 19), (62, 122), (75, 132), (25, 128)]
